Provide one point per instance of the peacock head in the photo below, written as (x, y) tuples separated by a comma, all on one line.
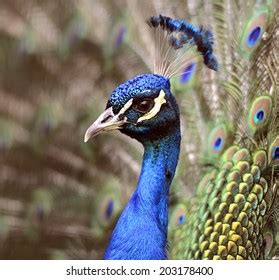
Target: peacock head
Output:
[(142, 108)]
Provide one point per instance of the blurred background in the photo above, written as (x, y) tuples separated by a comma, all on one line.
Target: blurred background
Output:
[(59, 62)]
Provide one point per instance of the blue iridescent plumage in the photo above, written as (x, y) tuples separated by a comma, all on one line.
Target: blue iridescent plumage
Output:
[(141, 232)]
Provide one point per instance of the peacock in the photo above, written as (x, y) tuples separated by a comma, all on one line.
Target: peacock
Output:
[(231, 137), (61, 198)]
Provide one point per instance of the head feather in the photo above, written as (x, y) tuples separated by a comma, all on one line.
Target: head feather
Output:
[(177, 43)]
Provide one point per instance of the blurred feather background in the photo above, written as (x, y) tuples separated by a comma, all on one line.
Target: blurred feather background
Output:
[(59, 61)]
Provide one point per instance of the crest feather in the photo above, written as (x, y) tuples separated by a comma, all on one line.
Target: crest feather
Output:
[(178, 43)]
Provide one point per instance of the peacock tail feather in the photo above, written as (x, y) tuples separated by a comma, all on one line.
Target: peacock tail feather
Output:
[(235, 211)]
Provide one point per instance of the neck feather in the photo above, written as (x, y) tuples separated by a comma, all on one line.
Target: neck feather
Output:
[(141, 231)]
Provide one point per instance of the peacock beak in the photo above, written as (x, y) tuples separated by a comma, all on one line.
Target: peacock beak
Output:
[(106, 121)]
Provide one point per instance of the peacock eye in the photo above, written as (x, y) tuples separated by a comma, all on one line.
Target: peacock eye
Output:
[(109, 209), (144, 106)]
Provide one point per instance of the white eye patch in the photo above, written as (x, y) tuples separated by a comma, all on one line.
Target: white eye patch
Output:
[(158, 102), (125, 107)]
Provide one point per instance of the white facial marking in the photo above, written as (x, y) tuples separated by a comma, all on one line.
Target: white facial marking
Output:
[(159, 101), (125, 107)]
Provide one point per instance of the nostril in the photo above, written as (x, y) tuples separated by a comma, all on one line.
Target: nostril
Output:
[(108, 118)]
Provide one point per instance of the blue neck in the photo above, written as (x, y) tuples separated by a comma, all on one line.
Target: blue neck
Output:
[(141, 231)]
